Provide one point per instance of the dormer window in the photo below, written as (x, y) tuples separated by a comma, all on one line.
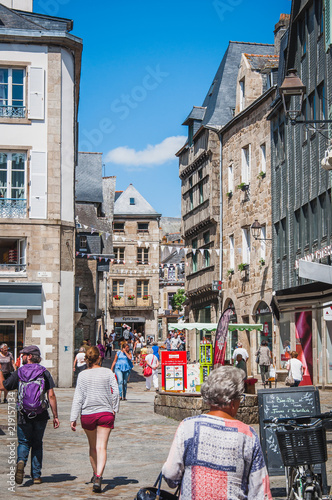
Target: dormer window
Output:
[(212, 87), (190, 134), (132, 201)]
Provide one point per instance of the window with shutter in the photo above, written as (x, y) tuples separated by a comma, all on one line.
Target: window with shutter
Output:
[(38, 188), (36, 85)]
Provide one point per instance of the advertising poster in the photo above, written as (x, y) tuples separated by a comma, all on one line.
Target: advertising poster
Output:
[(303, 333), (174, 371)]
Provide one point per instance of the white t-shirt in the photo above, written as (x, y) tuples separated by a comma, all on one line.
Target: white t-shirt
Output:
[(152, 360), (80, 359), (175, 343), (242, 351), (295, 367)]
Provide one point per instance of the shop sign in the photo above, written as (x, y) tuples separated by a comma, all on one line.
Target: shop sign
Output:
[(266, 329), (319, 254), (327, 313), (129, 319)]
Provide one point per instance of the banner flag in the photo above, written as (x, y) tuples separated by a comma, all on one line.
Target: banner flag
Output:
[(221, 338)]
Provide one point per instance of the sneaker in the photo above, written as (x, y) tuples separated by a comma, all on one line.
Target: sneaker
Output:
[(37, 480), (19, 474), (96, 488)]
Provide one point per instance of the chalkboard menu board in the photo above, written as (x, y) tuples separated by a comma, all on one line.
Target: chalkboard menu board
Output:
[(278, 403)]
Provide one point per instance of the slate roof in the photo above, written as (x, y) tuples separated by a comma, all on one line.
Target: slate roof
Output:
[(174, 257), (170, 225), (86, 214), (122, 205), (259, 62), (221, 98), (197, 113), (88, 178), (19, 20)]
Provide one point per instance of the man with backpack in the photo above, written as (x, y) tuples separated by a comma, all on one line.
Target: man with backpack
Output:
[(33, 382)]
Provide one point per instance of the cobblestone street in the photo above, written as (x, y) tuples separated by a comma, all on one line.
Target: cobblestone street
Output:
[(137, 449)]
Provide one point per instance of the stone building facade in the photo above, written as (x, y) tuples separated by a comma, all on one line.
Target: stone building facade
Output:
[(134, 274), (199, 169), (38, 132), (246, 165)]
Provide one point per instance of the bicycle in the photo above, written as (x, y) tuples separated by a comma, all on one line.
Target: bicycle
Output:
[(302, 444)]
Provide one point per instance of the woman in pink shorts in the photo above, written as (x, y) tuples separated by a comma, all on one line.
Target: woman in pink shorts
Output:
[(97, 399)]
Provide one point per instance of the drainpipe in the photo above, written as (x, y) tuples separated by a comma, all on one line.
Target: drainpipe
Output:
[(96, 304), (105, 277), (221, 226)]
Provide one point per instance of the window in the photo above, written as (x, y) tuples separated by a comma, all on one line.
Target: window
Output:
[(246, 164), (12, 255), (119, 253), (322, 100), (282, 143), (12, 184), (118, 287), (314, 221), (263, 242), (283, 236), (206, 237), (206, 258), (142, 256), (230, 179), (201, 196), (242, 95), (323, 215), (12, 82), (170, 298), (118, 227), (142, 288), (132, 201), (277, 233), (302, 35), (305, 229), (297, 230), (246, 245), (190, 182), (200, 174), (191, 200), (231, 252), (142, 227), (194, 254), (83, 243), (312, 106), (263, 157)]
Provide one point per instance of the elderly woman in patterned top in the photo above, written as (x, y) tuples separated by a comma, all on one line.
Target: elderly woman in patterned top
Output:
[(213, 455)]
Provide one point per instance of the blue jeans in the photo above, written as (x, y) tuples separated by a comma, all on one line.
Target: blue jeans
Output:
[(122, 382), (30, 435)]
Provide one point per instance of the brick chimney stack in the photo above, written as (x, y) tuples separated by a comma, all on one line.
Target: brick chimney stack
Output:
[(279, 31), (25, 5)]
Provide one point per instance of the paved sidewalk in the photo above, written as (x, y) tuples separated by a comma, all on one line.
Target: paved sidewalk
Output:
[(137, 449)]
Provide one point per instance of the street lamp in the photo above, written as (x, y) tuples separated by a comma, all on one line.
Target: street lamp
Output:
[(256, 229), (292, 86)]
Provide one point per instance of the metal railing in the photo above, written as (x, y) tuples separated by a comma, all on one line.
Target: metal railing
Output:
[(12, 268), (12, 111), (13, 208)]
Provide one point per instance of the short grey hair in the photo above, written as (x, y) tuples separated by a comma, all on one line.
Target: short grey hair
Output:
[(2, 346), (149, 350), (224, 385)]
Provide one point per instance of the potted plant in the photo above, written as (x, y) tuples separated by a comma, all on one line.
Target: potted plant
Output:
[(243, 186), (243, 266), (131, 297), (261, 175), (145, 297), (229, 194), (261, 262), (230, 272), (117, 297)]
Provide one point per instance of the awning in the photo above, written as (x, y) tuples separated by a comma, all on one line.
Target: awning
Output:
[(244, 326), (21, 296), (192, 326), (209, 327)]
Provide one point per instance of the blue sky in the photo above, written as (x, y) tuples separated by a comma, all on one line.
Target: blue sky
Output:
[(145, 64)]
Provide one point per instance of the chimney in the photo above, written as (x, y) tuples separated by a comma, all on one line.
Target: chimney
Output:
[(279, 31), (25, 5)]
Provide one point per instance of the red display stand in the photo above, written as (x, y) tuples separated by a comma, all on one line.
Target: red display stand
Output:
[(174, 371)]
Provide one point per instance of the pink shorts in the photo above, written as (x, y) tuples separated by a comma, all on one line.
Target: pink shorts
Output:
[(104, 419)]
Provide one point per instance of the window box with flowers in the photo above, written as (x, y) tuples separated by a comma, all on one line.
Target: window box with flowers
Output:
[(145, 297), (117, 297), (131, 297)]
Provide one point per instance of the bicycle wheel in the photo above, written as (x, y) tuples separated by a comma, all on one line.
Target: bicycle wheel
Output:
[(290, 473)]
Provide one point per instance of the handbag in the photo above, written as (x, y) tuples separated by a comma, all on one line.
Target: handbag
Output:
[(289, 379), (147, 372), (156, 493), (257, 357)]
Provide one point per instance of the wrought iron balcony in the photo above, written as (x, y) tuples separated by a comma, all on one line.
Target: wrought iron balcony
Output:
[(13, 208), (12, 111), (12, 268)]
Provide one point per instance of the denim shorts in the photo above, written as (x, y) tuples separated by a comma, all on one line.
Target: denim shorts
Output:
[(104, 419)]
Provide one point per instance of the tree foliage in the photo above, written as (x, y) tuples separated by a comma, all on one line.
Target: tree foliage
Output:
[(178, 300)]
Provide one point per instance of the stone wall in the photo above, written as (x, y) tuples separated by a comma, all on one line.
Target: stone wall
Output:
[(181, 406)]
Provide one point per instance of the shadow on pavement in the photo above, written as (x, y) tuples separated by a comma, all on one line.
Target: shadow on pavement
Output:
[(118, 481), (54, 478), (135, 377), (278, 493)]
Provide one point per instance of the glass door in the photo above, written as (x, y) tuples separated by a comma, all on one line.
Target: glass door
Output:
[(11, 333)]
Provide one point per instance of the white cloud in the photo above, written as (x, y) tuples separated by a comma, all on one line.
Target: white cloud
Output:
[(150, 156)]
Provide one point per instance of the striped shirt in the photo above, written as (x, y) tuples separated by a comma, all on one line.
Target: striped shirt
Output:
[(96, 392)]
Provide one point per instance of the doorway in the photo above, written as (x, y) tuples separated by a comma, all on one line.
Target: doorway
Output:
[(11, 333)]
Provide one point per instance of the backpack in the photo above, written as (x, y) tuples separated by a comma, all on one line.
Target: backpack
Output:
[(31, 390)]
